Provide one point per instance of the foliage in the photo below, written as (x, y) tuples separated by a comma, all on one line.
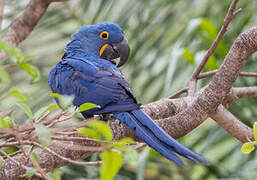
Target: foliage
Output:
[(248, 147)]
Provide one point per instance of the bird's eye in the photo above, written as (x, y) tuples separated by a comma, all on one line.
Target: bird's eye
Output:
[(104, 35)]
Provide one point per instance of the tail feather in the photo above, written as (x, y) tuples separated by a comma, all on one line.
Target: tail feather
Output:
[(147, 136), (156, 137)]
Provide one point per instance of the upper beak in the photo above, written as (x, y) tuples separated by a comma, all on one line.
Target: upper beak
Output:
[(113, 51)]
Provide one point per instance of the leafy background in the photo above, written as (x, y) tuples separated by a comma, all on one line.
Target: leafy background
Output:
[(168, 39)]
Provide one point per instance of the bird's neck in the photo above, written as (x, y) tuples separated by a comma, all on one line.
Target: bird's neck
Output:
[(76, 48)]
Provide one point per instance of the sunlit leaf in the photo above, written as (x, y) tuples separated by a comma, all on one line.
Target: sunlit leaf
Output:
[(43, 110), (31, 70), (30, 171), (255, 130), (55, 95), (44, 134), (87, 106), (111, 163), (208, 27), (189, 56), (211, 64), (56, 174), (3, 124), (91, 133), (17, 94), (1, 161), (4, 76), (247, 147), (35, 157), (102, 128), (26, 109)]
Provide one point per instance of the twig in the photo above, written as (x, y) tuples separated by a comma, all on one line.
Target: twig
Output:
[(230, 14), (211, 73), (181, 91), (66, 159)]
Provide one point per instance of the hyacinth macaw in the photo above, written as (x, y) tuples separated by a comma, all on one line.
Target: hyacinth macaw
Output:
[(87, 71)]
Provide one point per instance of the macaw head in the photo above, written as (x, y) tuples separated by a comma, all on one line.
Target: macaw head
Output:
[(105, 40)]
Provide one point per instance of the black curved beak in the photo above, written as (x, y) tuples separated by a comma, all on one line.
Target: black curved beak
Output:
[(113, 51)]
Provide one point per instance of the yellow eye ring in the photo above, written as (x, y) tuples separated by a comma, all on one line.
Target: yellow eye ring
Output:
[(104, 35)]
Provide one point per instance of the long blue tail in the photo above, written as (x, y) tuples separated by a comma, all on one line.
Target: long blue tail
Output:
[(150, 132)]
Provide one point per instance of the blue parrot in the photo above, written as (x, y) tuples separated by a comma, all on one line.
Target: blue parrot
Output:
[(88, 72)]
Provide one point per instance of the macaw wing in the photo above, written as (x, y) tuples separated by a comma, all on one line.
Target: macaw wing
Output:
[(88, 83)]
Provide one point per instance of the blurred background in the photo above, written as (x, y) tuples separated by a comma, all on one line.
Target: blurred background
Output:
[(168, 38)]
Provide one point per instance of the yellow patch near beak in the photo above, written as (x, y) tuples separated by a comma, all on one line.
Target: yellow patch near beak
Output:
[(102, 49)]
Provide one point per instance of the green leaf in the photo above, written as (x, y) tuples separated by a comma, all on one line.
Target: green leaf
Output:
[(1, 161), (56, 174), (122, 144), (3, 124), (31, 70), (248, 147), (44, 134), (255, 130), (102, 128), (189, 56), (26, 109), (35, 157), (30, 171), (211, 64), (208, 27), (87, 106), (55, 95), (111, 163), (30, 58), (43, 110), (17, 94), (4, 76), (91, 133)]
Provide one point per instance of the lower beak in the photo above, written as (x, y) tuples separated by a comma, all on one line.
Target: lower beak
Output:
[(113, 51)]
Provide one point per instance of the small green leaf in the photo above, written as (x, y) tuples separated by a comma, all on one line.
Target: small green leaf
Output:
[(102, 128), (87, 106), (26, 109), (122, 144), (3, 124), (211, 64), (189, 56), (31, 70), (247, 147), (255, 130), (30, 171), (44, 134), (35, 157), (111, 163), (43, 110), (4, 76), (91, 133), (1, 161), (17, 94), (30, 58), (56, 174), (208, 27), (55, 95)]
